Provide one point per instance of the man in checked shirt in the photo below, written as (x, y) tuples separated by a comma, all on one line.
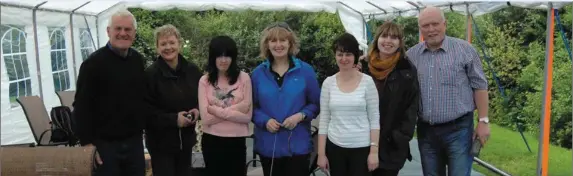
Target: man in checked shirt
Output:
[(452, 85)]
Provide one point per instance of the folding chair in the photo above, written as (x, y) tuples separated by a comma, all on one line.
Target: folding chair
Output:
[(67, 98), (38, 119)]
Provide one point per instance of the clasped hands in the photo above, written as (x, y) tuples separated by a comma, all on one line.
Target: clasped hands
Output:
[(183, 119), (273, 126)]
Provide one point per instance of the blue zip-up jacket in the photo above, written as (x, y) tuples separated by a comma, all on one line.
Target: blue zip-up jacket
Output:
[(300, 92)]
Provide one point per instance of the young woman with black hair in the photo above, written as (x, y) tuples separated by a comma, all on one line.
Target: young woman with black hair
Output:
[(225, 105)]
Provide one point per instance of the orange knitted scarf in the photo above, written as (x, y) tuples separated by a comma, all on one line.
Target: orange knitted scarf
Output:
[(380, 68)]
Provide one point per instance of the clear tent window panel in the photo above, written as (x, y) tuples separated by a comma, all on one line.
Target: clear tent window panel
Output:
[(86, 43), (58, 59), (14, 54)]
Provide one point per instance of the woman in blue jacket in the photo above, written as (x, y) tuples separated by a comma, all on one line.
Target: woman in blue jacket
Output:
[(286, 99)]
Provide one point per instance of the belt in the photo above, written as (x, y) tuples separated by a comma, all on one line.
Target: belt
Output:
[(451, 122)]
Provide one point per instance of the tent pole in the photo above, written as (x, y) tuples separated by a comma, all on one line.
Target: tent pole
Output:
[(468, 24), (420, 37), (543, 150), (97, 33), (39, 71), (73, 39)]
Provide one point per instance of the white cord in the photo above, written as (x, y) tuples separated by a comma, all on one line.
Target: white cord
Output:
[(273, 157)]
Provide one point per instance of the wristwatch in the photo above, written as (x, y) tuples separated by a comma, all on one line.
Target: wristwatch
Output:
[(303, 115), (373, 144), (484, 120)]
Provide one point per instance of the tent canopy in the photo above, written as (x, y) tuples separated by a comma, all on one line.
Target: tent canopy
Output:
[(44, 42), (97, 7)]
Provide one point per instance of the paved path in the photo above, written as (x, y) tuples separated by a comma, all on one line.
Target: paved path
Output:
[(413, 168)]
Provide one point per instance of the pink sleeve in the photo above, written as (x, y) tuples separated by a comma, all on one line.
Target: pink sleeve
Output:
[(206, 117)]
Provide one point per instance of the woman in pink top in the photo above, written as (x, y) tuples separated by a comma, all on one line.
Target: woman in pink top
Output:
[(225, 105)]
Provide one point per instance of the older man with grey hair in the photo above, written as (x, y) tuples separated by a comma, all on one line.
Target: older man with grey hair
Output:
[(109, 101), (453, 85)]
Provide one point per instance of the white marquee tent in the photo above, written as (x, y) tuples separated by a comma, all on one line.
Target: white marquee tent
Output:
[(45, 42)]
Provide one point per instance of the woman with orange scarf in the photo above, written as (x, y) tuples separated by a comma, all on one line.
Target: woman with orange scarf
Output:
[(399, 95)]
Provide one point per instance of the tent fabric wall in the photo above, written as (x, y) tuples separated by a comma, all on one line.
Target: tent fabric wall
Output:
[(53, 30), (52, 15)]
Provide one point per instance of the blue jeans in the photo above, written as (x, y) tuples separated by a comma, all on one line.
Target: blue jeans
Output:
[(446, 144)]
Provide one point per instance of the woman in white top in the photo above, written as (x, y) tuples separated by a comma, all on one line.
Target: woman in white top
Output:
[(349, 116)]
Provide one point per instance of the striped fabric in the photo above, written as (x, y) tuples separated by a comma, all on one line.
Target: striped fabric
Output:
[(347, 117), (447, 78)]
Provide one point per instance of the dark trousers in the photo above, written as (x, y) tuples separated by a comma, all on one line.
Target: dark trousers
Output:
[(224, 155), (171, 163), (385, 172), (121, 157), (446, 144), (297, 165), (347, 161)]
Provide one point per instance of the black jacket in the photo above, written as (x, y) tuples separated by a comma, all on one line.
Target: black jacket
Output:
[(399, 101), (169, 92), (109, 97)]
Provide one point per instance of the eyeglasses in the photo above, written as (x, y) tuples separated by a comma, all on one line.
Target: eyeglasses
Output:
[(281, 25)]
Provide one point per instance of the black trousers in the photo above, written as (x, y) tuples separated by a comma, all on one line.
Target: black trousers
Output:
[(347, 161), (171, 163), (385, 172), (224, 155), (297, 165), (121, 157)]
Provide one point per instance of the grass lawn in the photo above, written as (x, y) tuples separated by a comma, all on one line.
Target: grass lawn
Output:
[(507, 151)]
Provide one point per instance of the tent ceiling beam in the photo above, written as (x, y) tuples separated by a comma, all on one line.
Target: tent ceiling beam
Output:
[(73, 11), (111, 7), (413, 4), (423, 6), (349, 7), (378, 7), (7, 4)]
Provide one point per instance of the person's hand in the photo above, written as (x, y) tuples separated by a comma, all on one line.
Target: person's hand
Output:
[(195, 114), (183, 121), (97, 157), (292, 121), (322, 163), (273, 126), (372, 161), (482, 132)]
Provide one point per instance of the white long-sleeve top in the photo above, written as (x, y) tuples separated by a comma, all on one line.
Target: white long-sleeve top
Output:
[(347, 117)]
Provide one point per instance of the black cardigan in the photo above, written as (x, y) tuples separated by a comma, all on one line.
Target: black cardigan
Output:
[(170, 91)]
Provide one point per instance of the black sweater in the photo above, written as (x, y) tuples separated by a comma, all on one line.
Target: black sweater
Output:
[(171, 91), (109, 102)]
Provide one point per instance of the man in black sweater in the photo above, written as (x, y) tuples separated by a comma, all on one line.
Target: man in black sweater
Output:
[(109, 102)]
